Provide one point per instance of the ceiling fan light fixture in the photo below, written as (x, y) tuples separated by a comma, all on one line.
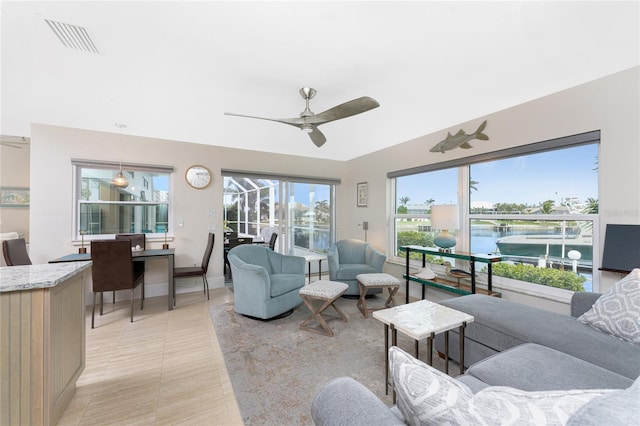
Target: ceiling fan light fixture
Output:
[(307, 128)]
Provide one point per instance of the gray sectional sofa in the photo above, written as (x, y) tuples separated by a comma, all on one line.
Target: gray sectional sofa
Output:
[(501, 324), (516, 346)]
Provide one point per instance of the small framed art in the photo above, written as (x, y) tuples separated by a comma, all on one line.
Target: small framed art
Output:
[(14, 197), (362, 194)]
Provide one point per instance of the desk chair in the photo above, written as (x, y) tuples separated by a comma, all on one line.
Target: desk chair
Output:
[(138, 267), (15, 252), (234, 242), (112, 270), (196, 271)]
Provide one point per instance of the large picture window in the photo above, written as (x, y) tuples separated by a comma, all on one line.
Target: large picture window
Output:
[(538, 209), (103, 208)]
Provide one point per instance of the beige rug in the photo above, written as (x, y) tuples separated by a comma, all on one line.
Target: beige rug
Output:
[(276, 368)]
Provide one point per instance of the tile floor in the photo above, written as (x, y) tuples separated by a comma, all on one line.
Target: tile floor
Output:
[(165, 368)]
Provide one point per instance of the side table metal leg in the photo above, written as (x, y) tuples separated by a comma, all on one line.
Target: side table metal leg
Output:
[(394, 342), (446, 352), (430, 348), (386, 359), (461, 332)]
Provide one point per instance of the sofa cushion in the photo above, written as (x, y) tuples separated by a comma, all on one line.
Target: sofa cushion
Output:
[(428, 397), (501, 324), (284, 283), (617, 311), (532, 367), (348, 271), (617, 408)]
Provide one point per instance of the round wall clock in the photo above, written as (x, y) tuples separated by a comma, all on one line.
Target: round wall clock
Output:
[(198, 177)]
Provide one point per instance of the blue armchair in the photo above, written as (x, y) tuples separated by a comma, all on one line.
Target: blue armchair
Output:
[(348, 258), (265, 282)]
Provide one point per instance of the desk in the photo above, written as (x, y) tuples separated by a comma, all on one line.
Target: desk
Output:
[(137, 256)]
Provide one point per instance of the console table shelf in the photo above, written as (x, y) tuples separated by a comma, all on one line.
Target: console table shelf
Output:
[(448, 285)]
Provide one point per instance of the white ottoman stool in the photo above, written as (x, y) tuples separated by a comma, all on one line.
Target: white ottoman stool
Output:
[(378, 280), (327, 292)]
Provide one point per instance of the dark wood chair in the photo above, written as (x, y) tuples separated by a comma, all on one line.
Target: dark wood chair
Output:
[(272, 241), (196, 271), (113, 270), (234, 242), (138, 267), (15, 252)]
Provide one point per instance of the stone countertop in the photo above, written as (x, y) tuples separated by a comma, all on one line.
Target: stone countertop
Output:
[(29, 277)]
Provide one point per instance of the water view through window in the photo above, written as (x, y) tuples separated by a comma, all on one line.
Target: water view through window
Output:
[(538, 210)]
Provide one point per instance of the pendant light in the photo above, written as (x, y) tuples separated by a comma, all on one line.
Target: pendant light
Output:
[(120, 180)]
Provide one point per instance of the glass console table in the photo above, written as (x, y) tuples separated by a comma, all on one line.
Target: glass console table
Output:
[(449, 284)]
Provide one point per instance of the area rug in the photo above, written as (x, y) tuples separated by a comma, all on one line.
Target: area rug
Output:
[(276, 368)]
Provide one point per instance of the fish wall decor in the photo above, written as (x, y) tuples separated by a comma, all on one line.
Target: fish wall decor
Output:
[(460, 139)]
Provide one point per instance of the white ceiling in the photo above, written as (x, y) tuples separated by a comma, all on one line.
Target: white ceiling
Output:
[(171, 69)]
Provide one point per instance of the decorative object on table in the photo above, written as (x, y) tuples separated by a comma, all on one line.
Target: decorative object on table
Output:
[(425, 273), (362, 194), (458, 274), (165, 246), (308, 122), (444, 217), (14, 197), (198, 177), (460, 139), (82, 248)]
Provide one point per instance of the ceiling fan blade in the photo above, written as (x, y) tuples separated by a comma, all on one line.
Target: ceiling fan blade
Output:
[(344, 110), (317, 137), (297, 122)]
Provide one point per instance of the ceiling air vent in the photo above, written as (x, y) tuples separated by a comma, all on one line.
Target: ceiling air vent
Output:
[(72, 36)]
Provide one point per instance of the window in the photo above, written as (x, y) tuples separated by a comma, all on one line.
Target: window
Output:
[(536, 205), (104, 209), (299, 209)]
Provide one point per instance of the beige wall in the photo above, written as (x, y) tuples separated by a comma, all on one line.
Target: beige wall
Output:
[(52, 195), (610, 105), (14, 173)]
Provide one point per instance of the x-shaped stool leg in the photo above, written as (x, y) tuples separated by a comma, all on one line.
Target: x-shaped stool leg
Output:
[(316, 314)]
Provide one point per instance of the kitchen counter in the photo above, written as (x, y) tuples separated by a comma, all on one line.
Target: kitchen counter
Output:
[(42, 333)]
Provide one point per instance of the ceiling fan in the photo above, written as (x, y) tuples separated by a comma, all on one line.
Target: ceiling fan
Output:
[(13, 141), (308, 122)]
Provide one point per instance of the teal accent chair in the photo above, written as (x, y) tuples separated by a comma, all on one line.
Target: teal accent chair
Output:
[(348, 258), (265, 283)]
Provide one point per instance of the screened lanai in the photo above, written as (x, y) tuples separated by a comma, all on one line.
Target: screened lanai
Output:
[(300, 210)]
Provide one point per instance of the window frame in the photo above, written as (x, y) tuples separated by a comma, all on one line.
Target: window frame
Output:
[(79, 164), (463, 166)]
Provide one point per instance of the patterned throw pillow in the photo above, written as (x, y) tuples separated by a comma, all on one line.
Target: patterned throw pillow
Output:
[(428, 397), (617, 312)]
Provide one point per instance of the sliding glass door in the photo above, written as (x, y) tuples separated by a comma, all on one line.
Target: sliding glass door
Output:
[(300, 211)]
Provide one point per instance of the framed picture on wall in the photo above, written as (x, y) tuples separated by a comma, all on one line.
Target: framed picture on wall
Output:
[(14, 197), (362, 194)]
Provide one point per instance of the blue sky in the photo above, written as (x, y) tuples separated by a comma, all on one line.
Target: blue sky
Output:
[(530, 179)]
